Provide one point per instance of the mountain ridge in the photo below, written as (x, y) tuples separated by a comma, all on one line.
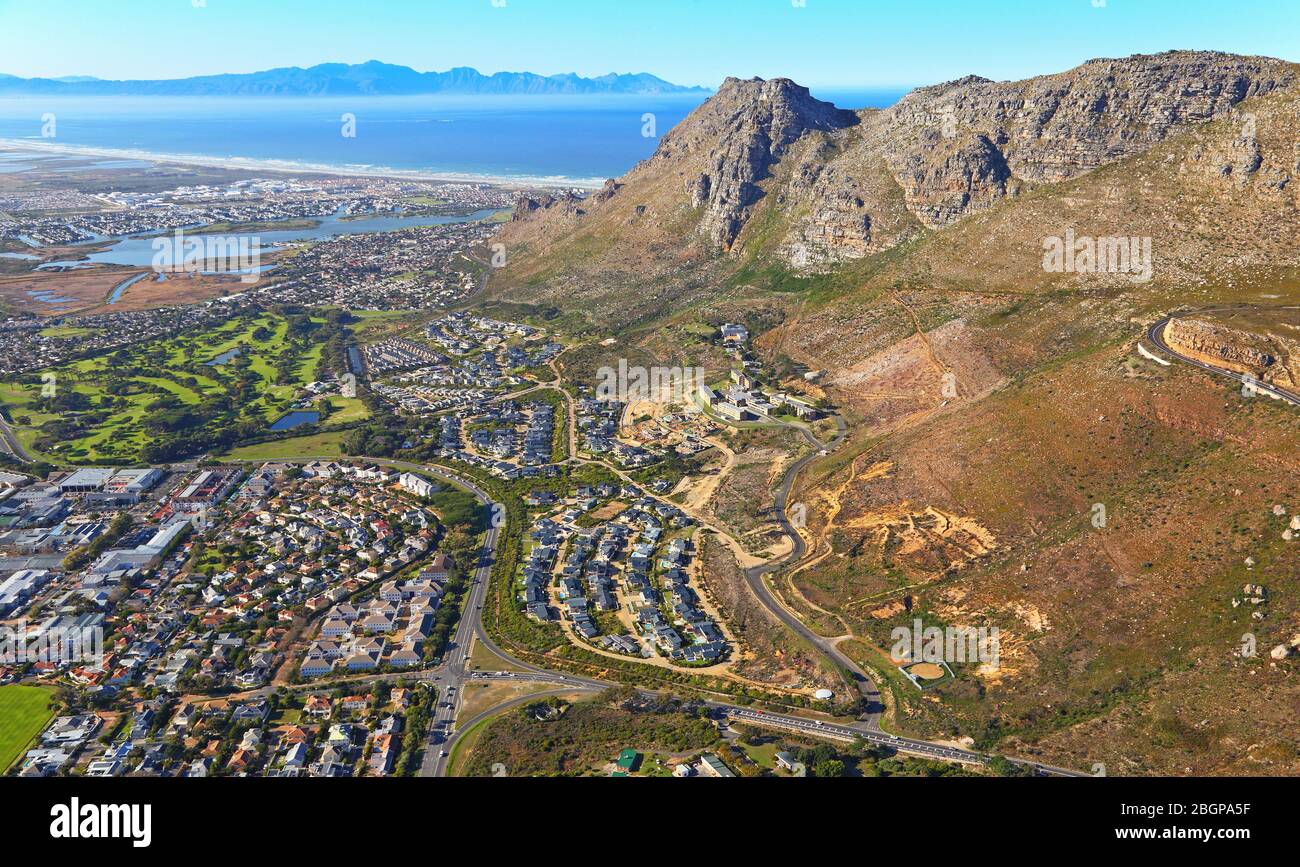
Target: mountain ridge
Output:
[(372, 78), (846, 191)]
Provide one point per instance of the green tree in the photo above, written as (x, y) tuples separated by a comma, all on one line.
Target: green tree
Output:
[(829, 768)]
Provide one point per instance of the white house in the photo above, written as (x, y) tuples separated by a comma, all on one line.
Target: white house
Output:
[(417, 485)]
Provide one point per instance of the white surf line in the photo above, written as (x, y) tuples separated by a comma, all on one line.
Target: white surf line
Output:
[(1146, 353), (260, 164)]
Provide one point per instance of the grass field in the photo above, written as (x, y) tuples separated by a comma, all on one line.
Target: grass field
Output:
[(66, 331), (324, 445), (24, 711)]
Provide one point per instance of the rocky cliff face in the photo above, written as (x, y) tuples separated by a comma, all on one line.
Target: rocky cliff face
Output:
[(958, 148), (759, 120), (1057, 127), (1269, 358), (835, 185)]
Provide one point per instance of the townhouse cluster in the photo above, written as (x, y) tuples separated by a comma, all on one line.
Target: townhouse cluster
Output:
[(511, 431), (397, 354), (476, 358), (613, 565), (462, 333)]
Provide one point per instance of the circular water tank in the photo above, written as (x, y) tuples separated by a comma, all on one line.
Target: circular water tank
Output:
[(823, 695)]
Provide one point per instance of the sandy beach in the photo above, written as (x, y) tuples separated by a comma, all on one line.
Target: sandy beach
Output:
[(249, 164)]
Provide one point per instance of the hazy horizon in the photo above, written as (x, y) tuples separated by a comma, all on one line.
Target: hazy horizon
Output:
[(831, 44)]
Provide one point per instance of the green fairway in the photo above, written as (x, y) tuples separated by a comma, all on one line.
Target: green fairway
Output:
[(178, 395), (24, 711)]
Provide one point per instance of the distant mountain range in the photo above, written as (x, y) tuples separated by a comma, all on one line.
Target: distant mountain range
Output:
[(341, 79)]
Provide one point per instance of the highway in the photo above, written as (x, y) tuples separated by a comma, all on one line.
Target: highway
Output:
[(1155, 335), (455, 660), (913, 746), (11, 442)]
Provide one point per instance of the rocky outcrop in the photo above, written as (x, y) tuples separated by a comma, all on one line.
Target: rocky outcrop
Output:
[(567, 205), (607, 192), (1265, 357), (751, 124), (835, 185)]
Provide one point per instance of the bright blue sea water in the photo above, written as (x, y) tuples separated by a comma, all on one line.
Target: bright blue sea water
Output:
[(582, 139)]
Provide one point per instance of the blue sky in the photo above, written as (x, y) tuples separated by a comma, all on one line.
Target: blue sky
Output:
[(827, 43)]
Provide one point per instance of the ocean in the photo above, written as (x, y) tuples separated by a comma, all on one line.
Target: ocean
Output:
[(556, 140)]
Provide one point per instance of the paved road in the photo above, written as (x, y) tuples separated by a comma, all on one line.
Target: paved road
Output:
[(11, 443), (456, 658), (756, 577), (905, 745), (1156, 336)]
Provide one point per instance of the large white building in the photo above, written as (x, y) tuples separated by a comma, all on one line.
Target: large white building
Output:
[(418, 485), (114, 481)]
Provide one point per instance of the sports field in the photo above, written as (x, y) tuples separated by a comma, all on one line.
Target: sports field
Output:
[(24, 711)]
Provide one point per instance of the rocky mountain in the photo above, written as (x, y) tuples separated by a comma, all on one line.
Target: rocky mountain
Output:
[(338, 79), (992, 399), (763, 169)]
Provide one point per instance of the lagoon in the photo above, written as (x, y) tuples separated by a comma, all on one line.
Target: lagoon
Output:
[(139, 251)]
